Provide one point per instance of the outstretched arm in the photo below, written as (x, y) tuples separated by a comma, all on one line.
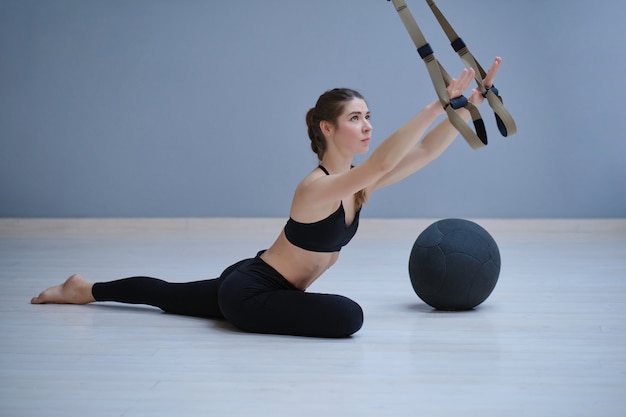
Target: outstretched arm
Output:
[(436, 141), (384, 159)]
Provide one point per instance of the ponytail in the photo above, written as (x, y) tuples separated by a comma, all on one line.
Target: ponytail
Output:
[(318, 141)]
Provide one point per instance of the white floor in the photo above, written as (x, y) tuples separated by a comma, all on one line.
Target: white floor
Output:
[(550, 341)]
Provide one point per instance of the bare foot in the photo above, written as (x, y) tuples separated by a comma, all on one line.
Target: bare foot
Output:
[(76, 290)]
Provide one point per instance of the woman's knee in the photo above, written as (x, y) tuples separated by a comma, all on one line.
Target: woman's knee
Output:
[(350, 320)]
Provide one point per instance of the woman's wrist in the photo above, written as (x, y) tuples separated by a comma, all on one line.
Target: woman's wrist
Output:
[(434, 109)]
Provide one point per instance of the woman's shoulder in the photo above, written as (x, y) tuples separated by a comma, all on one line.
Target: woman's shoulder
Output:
[(309, 179)]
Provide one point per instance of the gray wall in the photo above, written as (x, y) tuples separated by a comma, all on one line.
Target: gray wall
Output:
[(196, 107)]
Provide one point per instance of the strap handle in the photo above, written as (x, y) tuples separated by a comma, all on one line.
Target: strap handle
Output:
[(441, 80), (504, 120)]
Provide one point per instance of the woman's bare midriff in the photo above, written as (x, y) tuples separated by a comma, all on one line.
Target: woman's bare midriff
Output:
[(298, 266)]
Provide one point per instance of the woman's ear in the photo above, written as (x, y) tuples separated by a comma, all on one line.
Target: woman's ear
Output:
[(326, 127)]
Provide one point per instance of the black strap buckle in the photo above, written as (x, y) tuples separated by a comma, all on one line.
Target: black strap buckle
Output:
[(458, 102)]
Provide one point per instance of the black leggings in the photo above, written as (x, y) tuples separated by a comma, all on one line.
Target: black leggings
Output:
[(250, 294)]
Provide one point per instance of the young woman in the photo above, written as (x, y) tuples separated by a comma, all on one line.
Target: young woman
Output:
[(266, 294)]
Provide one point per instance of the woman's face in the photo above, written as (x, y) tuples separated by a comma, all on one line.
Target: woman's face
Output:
[(353, 130)]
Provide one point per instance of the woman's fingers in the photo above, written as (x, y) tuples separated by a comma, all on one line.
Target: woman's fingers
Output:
[(465, 79), (459, 85), (491, 74)]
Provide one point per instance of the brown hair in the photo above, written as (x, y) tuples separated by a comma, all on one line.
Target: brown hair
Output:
[(328, 108)]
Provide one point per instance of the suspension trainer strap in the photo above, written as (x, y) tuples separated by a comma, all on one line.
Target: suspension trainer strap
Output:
[(504, 120), (441, 79)]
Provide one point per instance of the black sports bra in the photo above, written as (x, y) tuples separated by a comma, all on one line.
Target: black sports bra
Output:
[(326, 235)]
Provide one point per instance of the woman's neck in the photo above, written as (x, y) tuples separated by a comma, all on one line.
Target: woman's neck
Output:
[(336, 165)]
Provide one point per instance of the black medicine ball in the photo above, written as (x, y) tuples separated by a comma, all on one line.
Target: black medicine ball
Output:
[(454, 265)]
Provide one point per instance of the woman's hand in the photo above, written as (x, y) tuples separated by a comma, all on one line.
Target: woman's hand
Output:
[(477, 98), (458, 85), (456, 88)]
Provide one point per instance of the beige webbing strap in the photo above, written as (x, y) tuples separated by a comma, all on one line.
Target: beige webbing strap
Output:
[(441, 80), (505, 121)]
